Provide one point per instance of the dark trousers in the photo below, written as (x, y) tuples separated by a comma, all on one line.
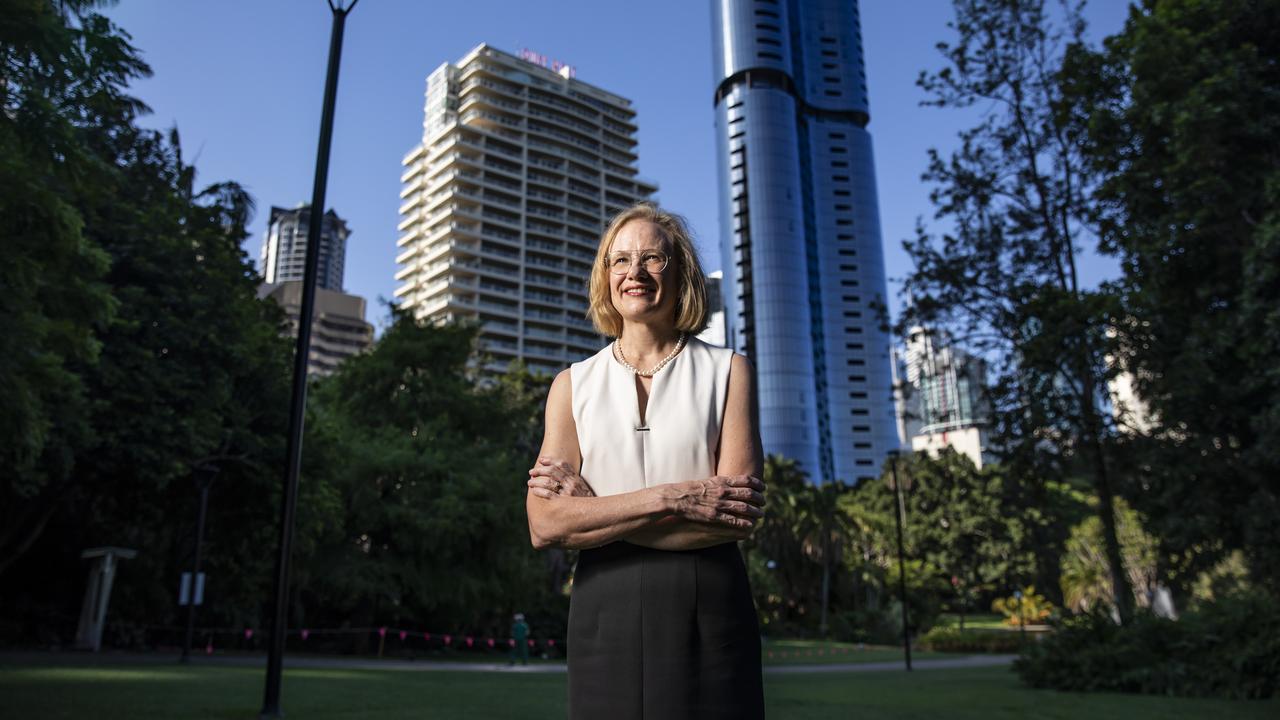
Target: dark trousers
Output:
[(661, 634)]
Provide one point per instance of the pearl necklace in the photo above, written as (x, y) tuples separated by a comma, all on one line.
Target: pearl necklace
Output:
[(620, 357)]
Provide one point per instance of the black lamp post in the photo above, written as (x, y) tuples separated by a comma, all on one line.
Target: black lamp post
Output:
[(298, 399), (899, 511), (204, 475)]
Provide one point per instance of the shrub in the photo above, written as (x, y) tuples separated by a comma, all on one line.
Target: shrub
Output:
[(944, 639), (1033, 607), (1228, 649), (874, 627)]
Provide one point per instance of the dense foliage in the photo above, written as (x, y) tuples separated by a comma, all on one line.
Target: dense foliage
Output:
[(1160, 148), (955, 640), (135, 344), (1182, 119), (418, 472), (966, 542), (1230, 649)]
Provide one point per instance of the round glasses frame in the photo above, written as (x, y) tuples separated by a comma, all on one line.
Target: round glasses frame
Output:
[(654, 262)]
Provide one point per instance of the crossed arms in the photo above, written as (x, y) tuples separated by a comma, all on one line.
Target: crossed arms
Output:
[(689, 514)]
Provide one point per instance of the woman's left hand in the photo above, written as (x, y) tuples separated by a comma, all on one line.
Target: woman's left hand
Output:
[(552, 477)]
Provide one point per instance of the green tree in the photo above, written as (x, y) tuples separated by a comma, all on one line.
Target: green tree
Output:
[(1183, 119), (56, 84), (1001, 279), (1086, 584), (967, 526), (801, 543), (187, 368), (425, 463)]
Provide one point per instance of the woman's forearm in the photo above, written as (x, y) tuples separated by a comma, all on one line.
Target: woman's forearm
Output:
[(576, 523), (673, 533)]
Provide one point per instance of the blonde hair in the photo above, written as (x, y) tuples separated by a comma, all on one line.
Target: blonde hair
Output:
[(691, 303)]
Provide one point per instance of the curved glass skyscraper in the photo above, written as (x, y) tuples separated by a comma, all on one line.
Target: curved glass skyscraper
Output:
[(800, 231)]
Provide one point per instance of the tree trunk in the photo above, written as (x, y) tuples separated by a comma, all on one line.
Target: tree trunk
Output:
[(826, 585), (1106, 506)]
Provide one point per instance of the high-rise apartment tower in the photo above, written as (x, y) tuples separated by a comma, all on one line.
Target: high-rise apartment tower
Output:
[(800, 231), (519, 169), (284, 249)]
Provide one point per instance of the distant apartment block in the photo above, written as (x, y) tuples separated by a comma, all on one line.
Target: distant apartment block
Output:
[(284, 249), (519, 169), (338, 327), (940, 400)]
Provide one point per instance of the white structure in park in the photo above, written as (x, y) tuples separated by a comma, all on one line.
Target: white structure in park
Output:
[(519, 169)]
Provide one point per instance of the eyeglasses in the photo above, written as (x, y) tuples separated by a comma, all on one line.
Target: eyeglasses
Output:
[(653, 261)]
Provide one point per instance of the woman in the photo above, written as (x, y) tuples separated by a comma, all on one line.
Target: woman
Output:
[(650, 466)]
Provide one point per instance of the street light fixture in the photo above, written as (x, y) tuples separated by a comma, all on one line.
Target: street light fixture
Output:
[(900, 511), (298, 398)]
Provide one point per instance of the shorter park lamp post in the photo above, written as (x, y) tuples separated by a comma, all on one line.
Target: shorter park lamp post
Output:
[(204, 475), (899, 510), (1022, 619)]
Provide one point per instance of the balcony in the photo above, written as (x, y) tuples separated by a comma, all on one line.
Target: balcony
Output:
[(481, 117), (541, 245), (553, 213), (547, 334), (412, 170), (586, 129), (484, 98), (498, 326), (543, 297)]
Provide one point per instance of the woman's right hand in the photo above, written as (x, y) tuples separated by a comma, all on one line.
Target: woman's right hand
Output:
[(734, 501)]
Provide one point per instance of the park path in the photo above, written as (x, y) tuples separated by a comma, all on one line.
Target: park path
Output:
[(19, 659)]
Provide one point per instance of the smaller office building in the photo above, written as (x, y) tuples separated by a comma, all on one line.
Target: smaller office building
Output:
[(338, 327)]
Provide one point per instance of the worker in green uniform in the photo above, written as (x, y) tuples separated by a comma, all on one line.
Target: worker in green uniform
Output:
[(520, 634)]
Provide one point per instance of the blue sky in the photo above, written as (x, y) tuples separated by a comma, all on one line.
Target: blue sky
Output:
[(242, 80)]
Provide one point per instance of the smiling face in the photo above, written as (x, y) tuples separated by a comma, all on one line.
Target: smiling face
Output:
[(640, 295)]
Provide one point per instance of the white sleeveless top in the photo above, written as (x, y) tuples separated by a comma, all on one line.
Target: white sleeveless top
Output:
[(681, 433)]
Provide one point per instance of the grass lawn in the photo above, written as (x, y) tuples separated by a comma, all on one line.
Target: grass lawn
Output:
[(987, 621), (115, 692), (822, 652)]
